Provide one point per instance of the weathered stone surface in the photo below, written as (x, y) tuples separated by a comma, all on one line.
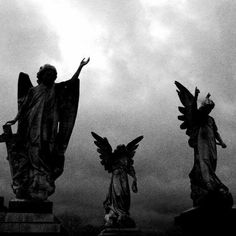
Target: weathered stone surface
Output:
[(46, 117), (29, 206), (29, 227), (120, 163), (120, 232), (2, 207), (30, 218)]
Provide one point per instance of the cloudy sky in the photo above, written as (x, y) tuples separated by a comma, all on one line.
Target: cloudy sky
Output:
[(138, 48)]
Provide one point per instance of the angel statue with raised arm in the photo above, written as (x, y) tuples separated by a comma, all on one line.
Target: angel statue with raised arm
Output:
[(120, 164), (206, 188), (46, 117)]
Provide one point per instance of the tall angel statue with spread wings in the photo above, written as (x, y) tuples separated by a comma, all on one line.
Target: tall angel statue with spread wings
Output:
[(206, 188), (120, 164), (46, 117)]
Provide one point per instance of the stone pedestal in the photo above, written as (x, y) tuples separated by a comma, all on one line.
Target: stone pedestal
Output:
[(120, 232), (1, 204), (207, 221), (26, 217), (3, 209)]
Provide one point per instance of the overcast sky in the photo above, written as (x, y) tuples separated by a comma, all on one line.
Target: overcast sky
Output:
[(138, 48)]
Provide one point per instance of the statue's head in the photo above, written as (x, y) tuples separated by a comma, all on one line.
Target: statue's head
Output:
[(121, 155), (207, 104), (120, 151), (47, 75)]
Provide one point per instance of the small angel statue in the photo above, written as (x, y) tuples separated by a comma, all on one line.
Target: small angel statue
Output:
[(120, 163), (206, 188)]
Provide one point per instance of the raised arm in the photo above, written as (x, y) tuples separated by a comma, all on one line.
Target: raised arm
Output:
[(22, 109), (12, 122), (82, 64), (197, 91), (131, 172), (19, 114), (219, 139)]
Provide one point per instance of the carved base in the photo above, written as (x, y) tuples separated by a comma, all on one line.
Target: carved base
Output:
[(120, 232), (30, 206), (201, 221), (3, 209), (114, 221), (30, 217), (218, 198)]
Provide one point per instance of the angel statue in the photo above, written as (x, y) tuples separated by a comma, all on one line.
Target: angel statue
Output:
[(120, 163), (46, 117), (206, 188)]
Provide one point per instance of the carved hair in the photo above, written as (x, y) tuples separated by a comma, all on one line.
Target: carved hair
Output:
[(207, 102), (44, 68)]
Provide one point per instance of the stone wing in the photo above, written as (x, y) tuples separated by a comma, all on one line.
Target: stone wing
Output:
[(24, 84), (105, 151), (68, 99), (132, 146), (189, 113)]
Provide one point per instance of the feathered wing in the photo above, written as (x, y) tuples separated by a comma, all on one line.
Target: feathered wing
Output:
[(132, 146), (105, 151), (189, 113), (24, 84)]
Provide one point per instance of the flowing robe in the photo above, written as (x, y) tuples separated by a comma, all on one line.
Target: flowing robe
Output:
[(117, 203), (118, 197), (46, 119), (202, 176)]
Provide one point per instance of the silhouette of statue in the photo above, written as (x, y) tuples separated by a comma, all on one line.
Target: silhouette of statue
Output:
[(206, 188), (46, 117), (120, 164)]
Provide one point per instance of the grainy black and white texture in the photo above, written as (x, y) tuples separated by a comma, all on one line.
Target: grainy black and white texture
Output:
[(137, 49)]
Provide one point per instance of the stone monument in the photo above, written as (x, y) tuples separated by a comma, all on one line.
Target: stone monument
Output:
[(117, 203), (210, 196), (46, 117)]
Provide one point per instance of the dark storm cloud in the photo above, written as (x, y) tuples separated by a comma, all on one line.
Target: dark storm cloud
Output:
[(195, 45)]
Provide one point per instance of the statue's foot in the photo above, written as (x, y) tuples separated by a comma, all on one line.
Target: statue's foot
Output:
[(109, 222), (22, 194)]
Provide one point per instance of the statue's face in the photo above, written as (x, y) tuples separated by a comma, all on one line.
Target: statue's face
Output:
[(207, 106), (48, 74)]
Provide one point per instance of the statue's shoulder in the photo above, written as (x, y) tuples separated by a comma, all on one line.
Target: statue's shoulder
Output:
[(67, 85), (211, 119)]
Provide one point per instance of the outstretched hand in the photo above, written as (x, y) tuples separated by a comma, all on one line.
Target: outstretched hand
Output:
[(197, 91), (134, 187), (223, 145), (10, 122), (84, 62)]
